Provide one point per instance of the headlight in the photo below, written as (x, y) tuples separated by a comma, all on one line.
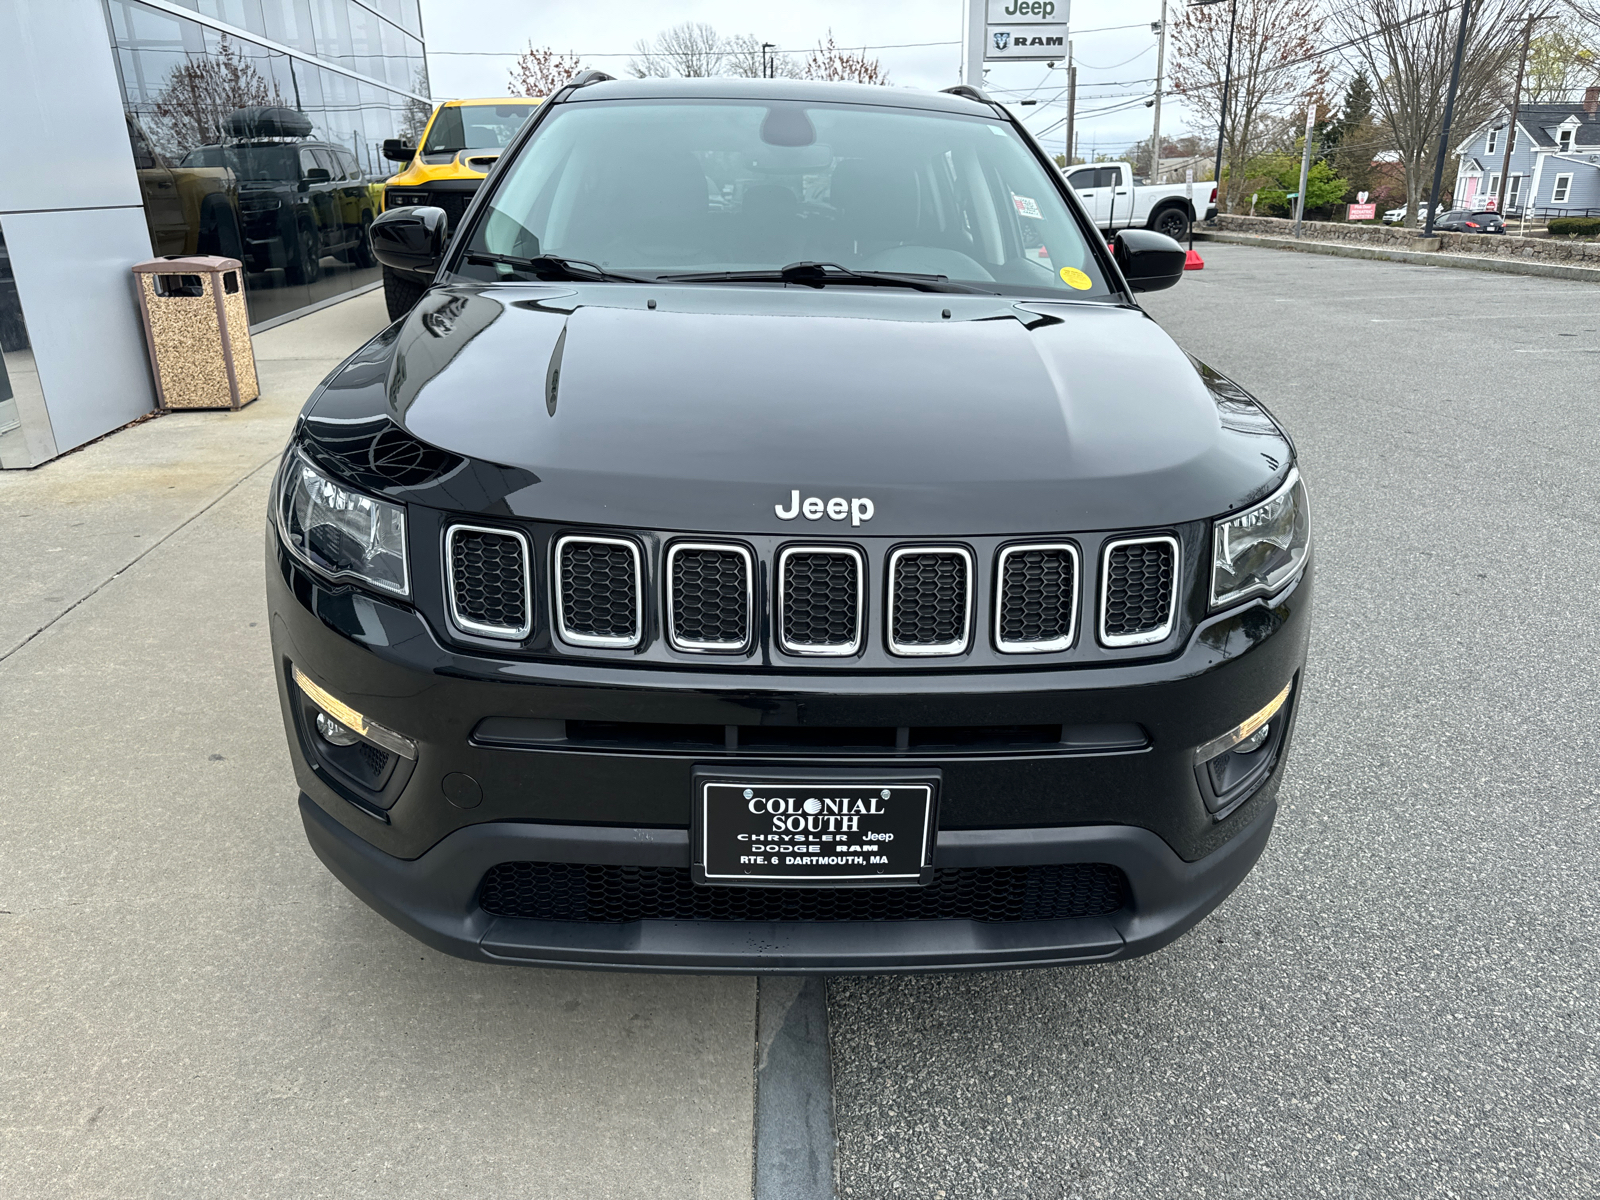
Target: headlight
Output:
[(1263, 548), (342, 533)]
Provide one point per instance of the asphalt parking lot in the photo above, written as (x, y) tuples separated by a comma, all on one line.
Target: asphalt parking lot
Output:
[(1404, 997), (1400, 1001)]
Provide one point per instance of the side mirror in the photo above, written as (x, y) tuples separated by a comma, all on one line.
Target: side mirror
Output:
[(397, 151), (411, 239), (1150, 261), (317, 175)]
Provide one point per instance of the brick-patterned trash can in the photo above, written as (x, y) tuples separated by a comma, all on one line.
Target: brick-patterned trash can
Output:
[(198, 331)]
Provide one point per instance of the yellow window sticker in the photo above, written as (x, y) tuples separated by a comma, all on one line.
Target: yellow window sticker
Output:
[(1075, 278)]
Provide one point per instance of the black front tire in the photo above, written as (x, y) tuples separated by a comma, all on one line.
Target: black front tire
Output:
[(400, 293), (361, 255), (1173, 222), (304, 257)]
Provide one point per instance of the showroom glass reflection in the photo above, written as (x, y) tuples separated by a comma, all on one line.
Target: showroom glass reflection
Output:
[(300, 235)]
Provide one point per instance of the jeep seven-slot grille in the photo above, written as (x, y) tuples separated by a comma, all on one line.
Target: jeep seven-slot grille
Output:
[(1038, 598), (709, 597), (820, 601), (606, 893), (489, 582), (598, 587), (1138, 590), (929, 595)]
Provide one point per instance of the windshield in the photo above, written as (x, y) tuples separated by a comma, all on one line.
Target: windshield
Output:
[(475, 127), (257, 164), (658, 188)]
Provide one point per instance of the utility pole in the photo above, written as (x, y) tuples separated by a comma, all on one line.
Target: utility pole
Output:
[(1516, 108), (1072, 104), (769, 63), (1305, 168), (1449, 111), (1161, 62)]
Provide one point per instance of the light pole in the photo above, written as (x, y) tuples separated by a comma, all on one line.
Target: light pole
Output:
[(1227, 85), (769, 70), (1161, 63), (1449, 111)]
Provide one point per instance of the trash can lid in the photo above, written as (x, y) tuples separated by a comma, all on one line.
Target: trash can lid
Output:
[(191, 264)]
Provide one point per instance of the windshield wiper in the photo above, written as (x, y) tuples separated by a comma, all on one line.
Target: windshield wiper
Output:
[(554, 266), (819, 274)]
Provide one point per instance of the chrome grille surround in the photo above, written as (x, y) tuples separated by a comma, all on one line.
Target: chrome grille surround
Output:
[(559, 589), (929, 649), (1042, 645), (780, 610), (669, 576), (1158, 633), (479, 628)]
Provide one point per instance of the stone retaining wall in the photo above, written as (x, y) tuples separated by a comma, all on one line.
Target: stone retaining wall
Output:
[(1480, 245)]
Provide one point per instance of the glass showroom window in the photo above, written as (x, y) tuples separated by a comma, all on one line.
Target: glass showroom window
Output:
[(263, 156)]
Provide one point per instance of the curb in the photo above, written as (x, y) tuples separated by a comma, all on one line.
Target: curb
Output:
[(1424, 258)]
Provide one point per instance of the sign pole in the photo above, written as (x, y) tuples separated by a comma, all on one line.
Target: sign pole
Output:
[(1305, 168), (972, 43)]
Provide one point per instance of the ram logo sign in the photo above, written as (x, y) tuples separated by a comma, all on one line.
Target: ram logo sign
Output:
[(1021, 42)]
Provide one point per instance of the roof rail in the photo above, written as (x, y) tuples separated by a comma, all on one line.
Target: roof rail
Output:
[(967, 90), (585, 78)]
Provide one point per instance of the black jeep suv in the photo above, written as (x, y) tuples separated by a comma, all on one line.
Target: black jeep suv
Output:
[(778, 541)]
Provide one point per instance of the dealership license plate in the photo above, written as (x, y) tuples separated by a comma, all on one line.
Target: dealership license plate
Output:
[(817, 832)]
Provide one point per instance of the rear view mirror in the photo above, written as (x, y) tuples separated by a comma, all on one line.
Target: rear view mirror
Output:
[(411, 239), (396, 150), (1150, 261)]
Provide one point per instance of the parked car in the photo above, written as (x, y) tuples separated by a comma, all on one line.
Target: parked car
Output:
[(1465, 220), (1118, 199), (461, 141), (300, 199), (809, 579), (190, 209)]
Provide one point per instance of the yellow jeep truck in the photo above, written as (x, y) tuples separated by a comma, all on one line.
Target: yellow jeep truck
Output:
[(458, 146)]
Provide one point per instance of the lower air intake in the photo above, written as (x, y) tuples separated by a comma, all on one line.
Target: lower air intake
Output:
[(603, 893)]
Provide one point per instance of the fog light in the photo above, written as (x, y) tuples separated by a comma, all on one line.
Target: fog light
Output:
[(343, 715), (1253, 742), (1252, 729), (334, 733)]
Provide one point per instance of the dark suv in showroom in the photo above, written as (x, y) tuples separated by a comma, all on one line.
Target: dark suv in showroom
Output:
[(779, 541), (299, 200)]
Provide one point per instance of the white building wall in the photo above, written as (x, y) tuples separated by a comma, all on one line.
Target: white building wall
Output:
[(72, 220)]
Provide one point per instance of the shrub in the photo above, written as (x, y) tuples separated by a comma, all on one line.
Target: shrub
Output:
[(1584, 227)]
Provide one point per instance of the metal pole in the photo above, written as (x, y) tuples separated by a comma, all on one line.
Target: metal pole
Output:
[(1511, 127), (1155, 135), (1222, 124), (1072, 106), (1305, 169), (972, 44), (1449, 111)]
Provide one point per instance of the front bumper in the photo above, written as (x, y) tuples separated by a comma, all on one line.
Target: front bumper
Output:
[(434, 898), (421, 860)]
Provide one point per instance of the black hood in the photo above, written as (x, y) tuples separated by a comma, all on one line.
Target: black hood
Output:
[(713, 408)]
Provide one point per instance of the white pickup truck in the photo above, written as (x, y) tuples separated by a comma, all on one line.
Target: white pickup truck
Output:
[(1117, 199)]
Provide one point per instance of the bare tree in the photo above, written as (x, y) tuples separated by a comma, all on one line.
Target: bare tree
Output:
[(693, 49), (835, 65), (199, 94), (540, 71), (1407, 48), (746, 60), (1276, 74)]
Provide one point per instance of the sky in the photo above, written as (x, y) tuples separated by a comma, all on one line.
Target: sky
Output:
[(1116, 64)]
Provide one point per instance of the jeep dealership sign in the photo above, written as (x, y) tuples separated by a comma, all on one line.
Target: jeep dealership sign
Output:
[(1025, 30)]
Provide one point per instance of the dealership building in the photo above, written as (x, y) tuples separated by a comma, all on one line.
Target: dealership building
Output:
[(136, 128)]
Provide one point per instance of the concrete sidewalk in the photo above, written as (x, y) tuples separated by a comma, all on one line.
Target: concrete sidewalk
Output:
[(189, 1004)]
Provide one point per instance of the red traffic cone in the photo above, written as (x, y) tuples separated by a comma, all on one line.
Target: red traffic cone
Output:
[(1193, 262)]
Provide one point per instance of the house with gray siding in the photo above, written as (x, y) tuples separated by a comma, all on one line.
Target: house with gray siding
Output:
[(1555, 160)]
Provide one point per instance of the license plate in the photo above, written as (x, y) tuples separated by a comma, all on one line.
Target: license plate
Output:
[(813, 830)]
